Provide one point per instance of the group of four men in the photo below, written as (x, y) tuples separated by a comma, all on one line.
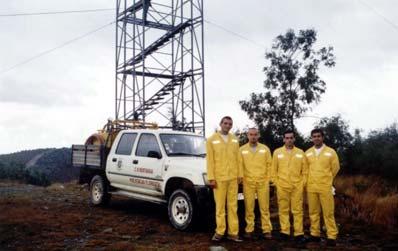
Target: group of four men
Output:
[(290, 169)]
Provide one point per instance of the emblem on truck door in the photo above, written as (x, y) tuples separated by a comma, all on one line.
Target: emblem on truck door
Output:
[(119, 164)]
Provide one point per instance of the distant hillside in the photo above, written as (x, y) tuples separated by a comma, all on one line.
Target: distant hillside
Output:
[(57, 166), (22, 157), (39, 166)]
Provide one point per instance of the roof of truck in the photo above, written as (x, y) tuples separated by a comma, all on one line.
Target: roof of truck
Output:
[(160, 131)]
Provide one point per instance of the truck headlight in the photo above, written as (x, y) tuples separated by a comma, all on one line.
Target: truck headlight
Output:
[(205, 180)]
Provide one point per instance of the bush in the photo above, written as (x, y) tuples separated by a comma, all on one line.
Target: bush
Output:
[(35, 177), (368, 199), (377, 154)]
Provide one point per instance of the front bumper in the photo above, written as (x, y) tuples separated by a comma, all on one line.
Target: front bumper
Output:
[(204, 197)]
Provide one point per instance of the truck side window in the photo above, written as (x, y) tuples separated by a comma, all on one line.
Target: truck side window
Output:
[(147, 142), (126, 143)]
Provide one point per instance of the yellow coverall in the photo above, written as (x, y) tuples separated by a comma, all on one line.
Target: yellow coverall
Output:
[(289, 174), (256, 173), (223, 167), (322, 170)]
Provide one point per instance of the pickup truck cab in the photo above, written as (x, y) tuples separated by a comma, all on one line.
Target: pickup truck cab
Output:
[(160, 166)]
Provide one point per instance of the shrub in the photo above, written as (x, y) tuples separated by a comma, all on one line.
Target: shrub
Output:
[(367, 199), (35, 177)]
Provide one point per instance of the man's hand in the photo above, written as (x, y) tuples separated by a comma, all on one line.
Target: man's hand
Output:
[(213, 184), (240, 180)]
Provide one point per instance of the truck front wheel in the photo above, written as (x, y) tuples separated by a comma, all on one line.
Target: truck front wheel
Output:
[(99, 195), (181, 210)]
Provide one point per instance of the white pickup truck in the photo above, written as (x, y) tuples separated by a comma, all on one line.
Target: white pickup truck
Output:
[(156, 165)]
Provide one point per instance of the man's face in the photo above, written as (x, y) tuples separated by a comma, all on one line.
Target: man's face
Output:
[(226, 125), (317, 139), (288, 139), (253, 136)]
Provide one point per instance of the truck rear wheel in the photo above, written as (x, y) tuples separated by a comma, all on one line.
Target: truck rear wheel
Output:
[(99, 195), (181, 210)]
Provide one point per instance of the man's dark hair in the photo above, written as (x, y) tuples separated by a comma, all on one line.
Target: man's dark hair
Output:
[(317, 130), (289, 131), (225, 117)]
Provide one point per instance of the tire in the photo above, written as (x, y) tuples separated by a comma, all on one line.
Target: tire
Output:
[(99, 195), (182, 210)]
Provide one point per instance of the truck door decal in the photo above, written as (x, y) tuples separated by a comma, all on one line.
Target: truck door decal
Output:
[(146, 182), (135, 176)]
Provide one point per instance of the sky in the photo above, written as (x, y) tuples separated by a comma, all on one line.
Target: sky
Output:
[(62, 97)]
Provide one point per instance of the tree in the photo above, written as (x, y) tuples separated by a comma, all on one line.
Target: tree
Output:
[(353, 153), (11, 170), (35, 176), (292, 82), (242, 135), (337, 133), (2, 171), (378, 153)]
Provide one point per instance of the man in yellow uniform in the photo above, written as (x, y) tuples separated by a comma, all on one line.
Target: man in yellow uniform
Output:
[(255, 161), (289, 174), (323, 165), (224, 176)]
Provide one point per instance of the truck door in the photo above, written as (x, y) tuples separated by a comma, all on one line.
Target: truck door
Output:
[(148, 163), (120, 163)]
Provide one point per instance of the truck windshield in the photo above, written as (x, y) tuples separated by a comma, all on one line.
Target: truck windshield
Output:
[(183, 145)]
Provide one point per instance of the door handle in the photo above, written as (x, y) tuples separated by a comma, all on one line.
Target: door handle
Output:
[(135, 161), (114, 160)]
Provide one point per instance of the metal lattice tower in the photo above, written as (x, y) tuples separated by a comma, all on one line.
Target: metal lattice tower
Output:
[(160, 63)]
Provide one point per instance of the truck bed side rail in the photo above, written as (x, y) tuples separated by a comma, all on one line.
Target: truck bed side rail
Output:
[(92, 156)]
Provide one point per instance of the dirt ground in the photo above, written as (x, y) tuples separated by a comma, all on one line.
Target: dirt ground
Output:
[(60, 218)]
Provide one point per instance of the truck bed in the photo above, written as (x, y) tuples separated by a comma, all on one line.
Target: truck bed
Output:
[(89, 156)]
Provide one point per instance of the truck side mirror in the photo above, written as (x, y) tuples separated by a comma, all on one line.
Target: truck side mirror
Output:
[(154, 154)]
